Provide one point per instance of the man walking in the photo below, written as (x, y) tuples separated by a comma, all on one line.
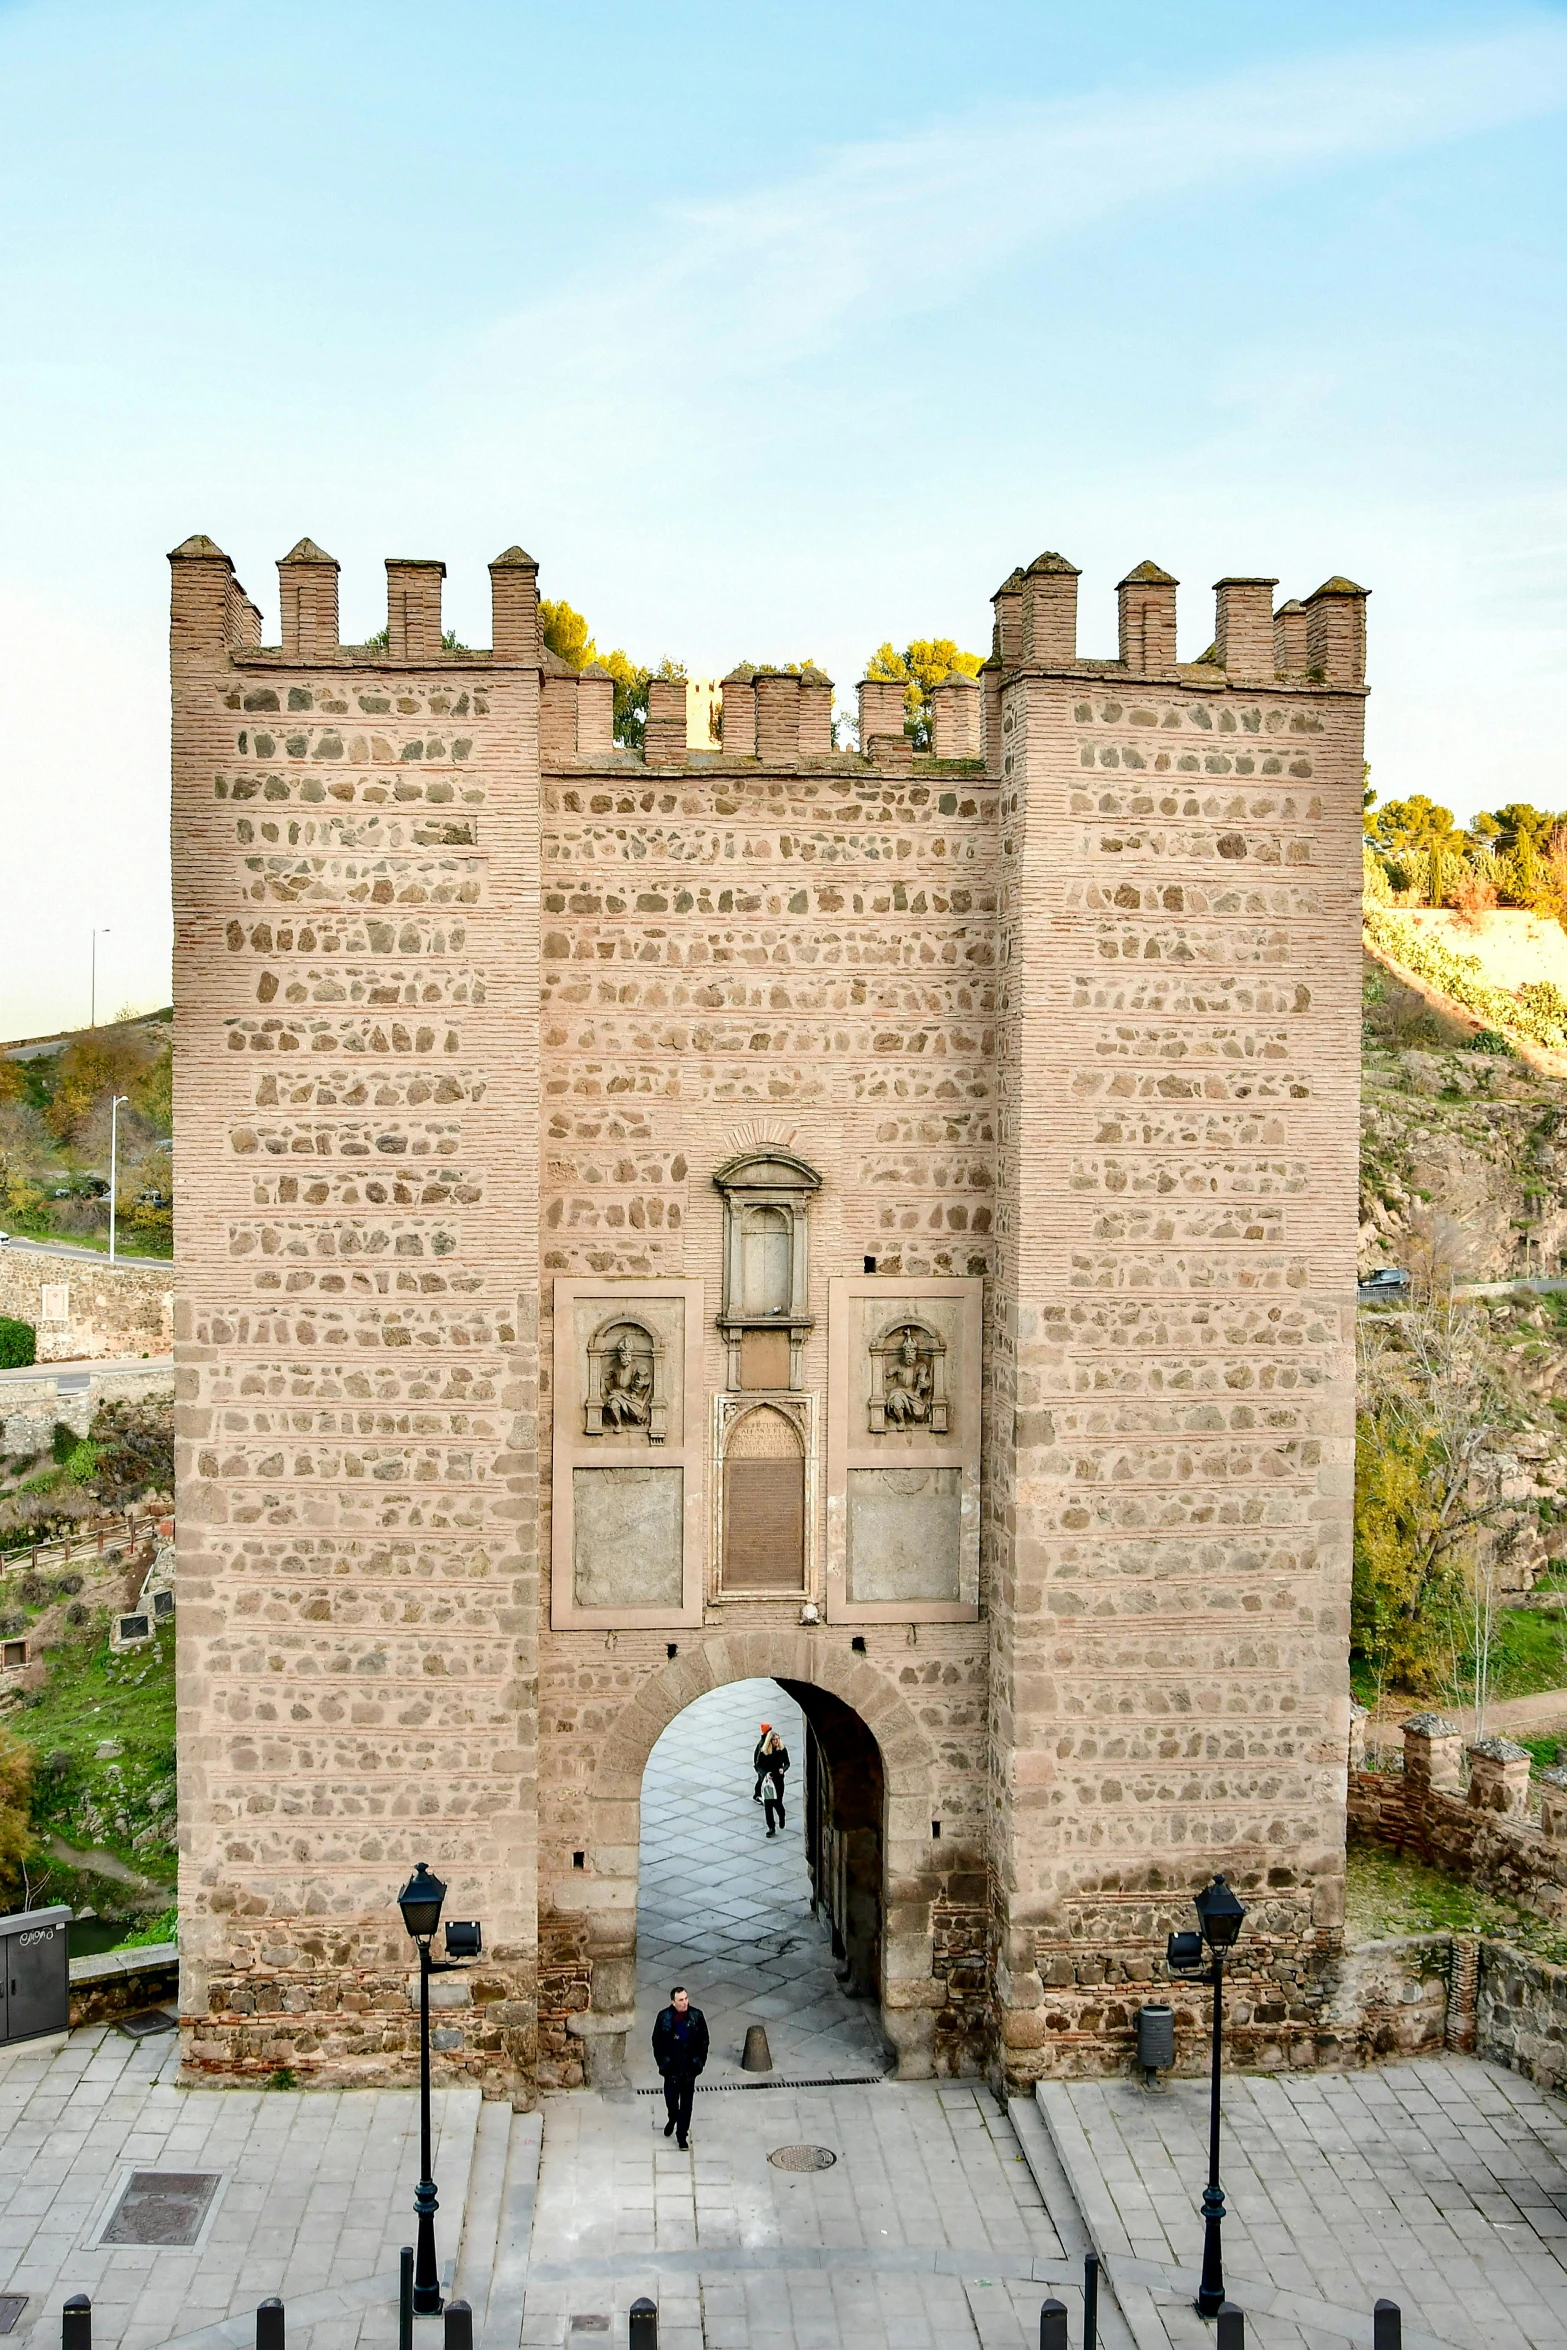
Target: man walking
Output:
[(775, 1761), (680, 2052)]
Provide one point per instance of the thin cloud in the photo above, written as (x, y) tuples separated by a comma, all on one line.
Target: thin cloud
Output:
[(779, 275)]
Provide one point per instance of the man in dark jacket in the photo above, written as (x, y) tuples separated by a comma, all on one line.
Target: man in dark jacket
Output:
[(680, 2052)]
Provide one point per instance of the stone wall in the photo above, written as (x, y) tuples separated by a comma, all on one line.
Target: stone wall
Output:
[(472, 1003), (124, 1309), (1179, 1058), (29, 1408), (1475, 1826), (356, 845)]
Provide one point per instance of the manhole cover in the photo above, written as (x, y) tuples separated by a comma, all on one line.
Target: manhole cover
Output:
[(161, 2207), (802, 2158), (592, 2324), (11, 2308)]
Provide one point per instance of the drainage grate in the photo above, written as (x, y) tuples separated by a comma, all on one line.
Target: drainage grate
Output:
[(592, 2324), (802, 2158), (11, 2308), (146, 2021), (161, 2207)]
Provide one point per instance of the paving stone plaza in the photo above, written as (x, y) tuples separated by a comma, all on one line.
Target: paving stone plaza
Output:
[(942, 2223)]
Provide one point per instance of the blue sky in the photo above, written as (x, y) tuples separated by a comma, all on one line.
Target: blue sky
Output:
[(769, 333)]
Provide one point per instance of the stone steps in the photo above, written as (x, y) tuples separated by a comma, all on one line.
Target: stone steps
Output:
[(497, 2236)]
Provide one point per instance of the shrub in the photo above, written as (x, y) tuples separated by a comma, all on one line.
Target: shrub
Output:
[(68, 1585), (78, 1613), (18, 1344), (63, 1442), (135, 1448), (1488, 1040), (33, 1591)]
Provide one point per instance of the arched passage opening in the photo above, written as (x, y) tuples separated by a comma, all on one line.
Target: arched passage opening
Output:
[(866, 1892), (766, 1915)]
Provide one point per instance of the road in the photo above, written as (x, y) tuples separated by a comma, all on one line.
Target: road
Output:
[(81, 1370), (91, 1256)]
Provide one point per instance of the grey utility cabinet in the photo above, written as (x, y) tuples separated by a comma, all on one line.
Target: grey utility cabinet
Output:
[(35, 1990)]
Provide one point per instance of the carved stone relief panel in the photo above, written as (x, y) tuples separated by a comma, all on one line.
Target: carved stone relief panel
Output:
[(629, 1486), (903, 1449)]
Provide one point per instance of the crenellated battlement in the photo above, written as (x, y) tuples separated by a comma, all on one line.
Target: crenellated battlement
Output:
[(1318, 642)]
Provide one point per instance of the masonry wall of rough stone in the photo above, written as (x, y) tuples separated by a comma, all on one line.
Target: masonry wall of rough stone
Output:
[(1179, 1073), (356, 876), (121, 1310), (464, 1014), (1508, 1856)]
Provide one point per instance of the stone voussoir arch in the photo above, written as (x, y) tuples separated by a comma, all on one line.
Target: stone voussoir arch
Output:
[(770, 1653)]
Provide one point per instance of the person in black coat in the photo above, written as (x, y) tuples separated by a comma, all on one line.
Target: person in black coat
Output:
[(775, 1761), (680, 2053)]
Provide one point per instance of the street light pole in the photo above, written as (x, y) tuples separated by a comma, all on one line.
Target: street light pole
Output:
[(115, 1107), (1219, 1916), (420, 1902), (1210, 2293), (93, 998)]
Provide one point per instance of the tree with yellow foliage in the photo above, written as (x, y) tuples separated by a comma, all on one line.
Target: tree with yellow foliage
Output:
[(920, 667)]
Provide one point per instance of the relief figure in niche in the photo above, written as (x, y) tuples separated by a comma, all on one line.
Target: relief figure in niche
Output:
[(908, 1381), (626, 1393), (626, 1387)]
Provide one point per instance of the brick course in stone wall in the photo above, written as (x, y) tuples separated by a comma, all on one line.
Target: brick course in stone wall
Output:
[(1074, 1018)]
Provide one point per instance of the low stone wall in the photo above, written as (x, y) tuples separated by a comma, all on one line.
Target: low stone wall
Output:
[(1476, 1827), (125, 1309), (29, 1408), (1521, 2013), (122, 1982)]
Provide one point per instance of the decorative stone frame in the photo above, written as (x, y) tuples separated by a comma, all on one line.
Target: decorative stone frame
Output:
[(864, 1311), (728, 1410), (658, 1401), (766, 1178), (877, 1407), (584, 1311)]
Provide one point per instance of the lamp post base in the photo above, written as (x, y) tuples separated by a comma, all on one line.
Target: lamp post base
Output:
[(1210, 2293), (427, 2276)]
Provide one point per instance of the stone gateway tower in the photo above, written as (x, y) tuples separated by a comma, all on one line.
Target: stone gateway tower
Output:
[(880, 1219)]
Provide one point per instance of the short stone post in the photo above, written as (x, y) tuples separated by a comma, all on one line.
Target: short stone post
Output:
[(1553, 1805), (1499, 1777), (1433, 1755), (1052, 2325), (458, 2327), (1230, 2333), (1359, 1715)]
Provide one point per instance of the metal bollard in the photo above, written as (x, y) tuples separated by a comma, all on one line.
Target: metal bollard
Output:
[(1231, 2333), (1090, 2300), (642, 2333), (76, 2323), (405, 2298), (1052, 2325), (1387, 2326), (459, 2326), (269, 2324)]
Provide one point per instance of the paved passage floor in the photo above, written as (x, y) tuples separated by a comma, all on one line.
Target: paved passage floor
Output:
[(727, 1911)]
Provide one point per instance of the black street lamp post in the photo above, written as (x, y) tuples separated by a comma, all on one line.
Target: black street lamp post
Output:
[(420, 1902), (1219, 1916)]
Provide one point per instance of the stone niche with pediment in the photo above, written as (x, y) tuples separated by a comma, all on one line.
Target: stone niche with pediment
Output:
[(765, 1316), (628, 1489), (903, 1452)]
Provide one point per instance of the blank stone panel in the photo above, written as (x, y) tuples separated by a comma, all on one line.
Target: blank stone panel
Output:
[(627, 1537), (905, 1534)]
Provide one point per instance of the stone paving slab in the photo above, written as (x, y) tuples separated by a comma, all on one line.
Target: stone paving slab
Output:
[(1440, 2184), (928, 2232)]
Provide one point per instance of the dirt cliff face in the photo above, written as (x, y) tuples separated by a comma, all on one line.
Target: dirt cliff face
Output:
[(1463, 1156)]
